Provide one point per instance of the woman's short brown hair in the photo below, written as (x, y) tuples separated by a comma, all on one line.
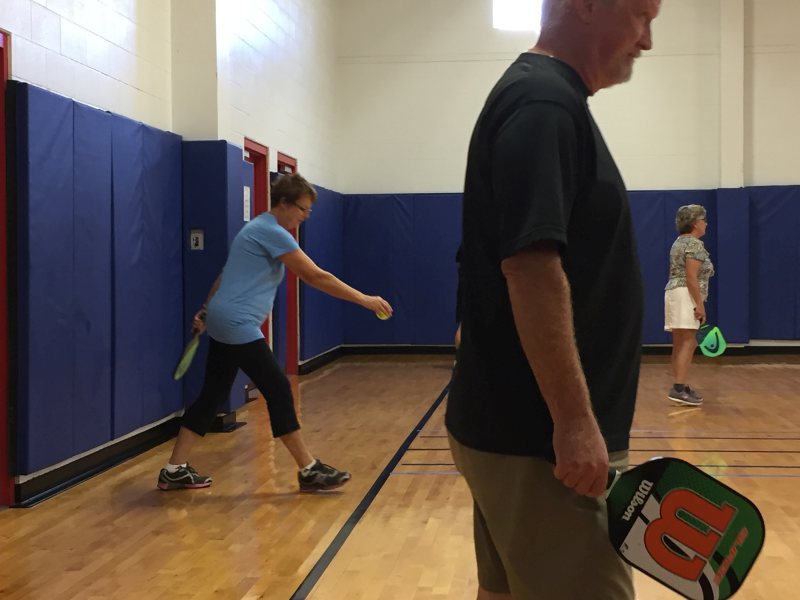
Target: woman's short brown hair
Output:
[(687, 215), (290, 188)]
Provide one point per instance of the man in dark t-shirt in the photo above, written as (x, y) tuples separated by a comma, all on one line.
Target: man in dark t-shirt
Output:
[(551, 297)]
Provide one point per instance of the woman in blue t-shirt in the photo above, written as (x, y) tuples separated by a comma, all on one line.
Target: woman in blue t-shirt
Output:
[(685, 294), (238, 304)]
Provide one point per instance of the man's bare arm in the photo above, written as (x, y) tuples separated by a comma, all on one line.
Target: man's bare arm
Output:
[(541, 303)]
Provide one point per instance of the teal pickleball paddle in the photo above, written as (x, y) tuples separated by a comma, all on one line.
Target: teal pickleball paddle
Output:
[(710, 339)]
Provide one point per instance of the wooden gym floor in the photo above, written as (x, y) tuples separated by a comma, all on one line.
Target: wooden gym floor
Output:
[(402, 528)]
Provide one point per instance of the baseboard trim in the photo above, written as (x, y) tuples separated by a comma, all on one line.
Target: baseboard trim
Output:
[(311, 365), (328, 357), (42, 487), (743, 350)]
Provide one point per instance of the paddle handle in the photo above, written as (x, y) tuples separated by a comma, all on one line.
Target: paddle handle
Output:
[(613, 477), (203, 319)]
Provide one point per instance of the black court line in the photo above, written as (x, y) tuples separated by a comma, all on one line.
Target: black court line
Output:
[(750, 466), (711, 437), (425, 464), (754, 476), (736, 466), (302, 592), (684, 450), (705, 432), (716, 475), (767, 438), (438, 473), (654, 450)]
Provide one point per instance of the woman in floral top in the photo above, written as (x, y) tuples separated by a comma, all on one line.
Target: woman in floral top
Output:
[(690, 268)]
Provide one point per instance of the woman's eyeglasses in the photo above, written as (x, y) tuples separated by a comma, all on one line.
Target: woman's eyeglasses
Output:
[(306, 210)]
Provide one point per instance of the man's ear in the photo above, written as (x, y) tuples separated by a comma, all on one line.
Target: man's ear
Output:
[(584, 9)]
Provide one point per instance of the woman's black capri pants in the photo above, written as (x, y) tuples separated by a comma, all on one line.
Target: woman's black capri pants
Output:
[(259, 364)]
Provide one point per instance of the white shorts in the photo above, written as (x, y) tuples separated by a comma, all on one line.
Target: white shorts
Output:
[(679, 310)]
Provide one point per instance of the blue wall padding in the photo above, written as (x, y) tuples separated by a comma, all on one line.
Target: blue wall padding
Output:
[(388, 237), (213, 178), (204, 183), (732, 263), (774, 260), (402, 248), (322, 316), (653, 242), (436, 237), (46, 331), (378, 229), (106, 284), (163, 255), (147, 267), (91, 400), (21, 430), (130, 275)]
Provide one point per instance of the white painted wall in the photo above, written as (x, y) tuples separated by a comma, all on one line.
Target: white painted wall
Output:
[(663, 126), (413, 76), (414, 79), (194, 69), (713, 104), (114, 54), (265, 69), (772, 92), (382, 95), (277, 72)]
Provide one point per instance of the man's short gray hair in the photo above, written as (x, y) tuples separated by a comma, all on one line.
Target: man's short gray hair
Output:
[(553, 10), (687, 215)]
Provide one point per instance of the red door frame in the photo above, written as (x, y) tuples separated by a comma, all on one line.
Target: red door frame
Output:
[(258, 155), (288, 164), (6, 480)]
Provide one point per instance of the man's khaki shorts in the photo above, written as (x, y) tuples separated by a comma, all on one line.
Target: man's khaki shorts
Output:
[(534, 537)]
